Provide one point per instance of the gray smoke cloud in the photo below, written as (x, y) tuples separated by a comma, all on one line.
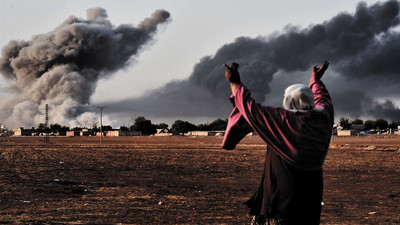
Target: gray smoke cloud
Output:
[(363, 49), (357, 45), (62, 67)]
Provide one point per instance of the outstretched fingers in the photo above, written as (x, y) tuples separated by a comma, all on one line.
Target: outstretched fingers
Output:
[(232, 73), (234, 66), (325, 66), (228, 68)]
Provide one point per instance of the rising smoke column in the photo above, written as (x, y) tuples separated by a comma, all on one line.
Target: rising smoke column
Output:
[(62, 67), (363, 49)]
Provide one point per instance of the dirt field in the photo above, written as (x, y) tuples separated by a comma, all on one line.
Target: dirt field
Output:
[(181, 180)]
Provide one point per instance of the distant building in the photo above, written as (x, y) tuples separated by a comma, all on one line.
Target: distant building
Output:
[(61, 133), (72, 133), (162, 132), (130, 133), (357, 127), (346, 132), (98, 134), (86, 133), (205, 133), (118, 133), (199, 133), (113, 133), (24, 132), (3, 131), (218, 133)]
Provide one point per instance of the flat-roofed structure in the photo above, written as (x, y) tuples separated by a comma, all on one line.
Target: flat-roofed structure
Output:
[(118, 133), (23, 132), (346, 133)]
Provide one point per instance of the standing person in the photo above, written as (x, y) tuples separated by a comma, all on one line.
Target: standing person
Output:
[(297, 138)]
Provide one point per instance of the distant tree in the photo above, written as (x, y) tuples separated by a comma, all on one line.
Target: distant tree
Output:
[(64, 129), (345, 123), (357, 121), (125, 128), (218, 124), (55, 127), (77, 129), (143, 125), (106, 128), (95, 129), (369, 125), (381, 124), (394, 125), (203, 127), (41, 128), (162, 126), (180, 126)]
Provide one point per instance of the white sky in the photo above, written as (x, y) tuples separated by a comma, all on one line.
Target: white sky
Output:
[(198, 28)]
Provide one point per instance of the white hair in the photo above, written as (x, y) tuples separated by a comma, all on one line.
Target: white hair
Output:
[(298, 97)]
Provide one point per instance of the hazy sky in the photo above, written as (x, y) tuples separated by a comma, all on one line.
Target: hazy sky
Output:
[(197, 29)]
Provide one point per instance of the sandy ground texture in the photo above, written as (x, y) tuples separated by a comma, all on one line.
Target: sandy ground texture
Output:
[(181, 180)]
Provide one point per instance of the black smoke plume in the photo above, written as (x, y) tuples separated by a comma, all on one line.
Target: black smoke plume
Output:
[(363, 49)]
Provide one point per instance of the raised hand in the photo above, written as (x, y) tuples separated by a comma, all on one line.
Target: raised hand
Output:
[(232, 73), (318, 72)]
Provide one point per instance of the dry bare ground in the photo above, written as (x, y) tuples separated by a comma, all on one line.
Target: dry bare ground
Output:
[(181, 180)]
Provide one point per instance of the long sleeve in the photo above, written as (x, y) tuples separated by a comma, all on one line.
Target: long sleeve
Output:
[(301, 138), (322, 99), (236, 130)]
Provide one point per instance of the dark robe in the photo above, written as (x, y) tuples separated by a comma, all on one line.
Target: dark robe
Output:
[(297, 144)]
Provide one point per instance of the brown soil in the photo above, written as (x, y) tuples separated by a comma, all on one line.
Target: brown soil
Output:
[(181, 180)]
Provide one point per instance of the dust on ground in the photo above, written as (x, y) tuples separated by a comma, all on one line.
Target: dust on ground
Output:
[(181, 180)]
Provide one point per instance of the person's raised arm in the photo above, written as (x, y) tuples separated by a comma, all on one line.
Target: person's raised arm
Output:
[(321, 94), (233, 76)]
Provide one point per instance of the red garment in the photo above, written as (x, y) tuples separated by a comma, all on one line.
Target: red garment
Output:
[(288, 192), (297, 143), (301, 138)]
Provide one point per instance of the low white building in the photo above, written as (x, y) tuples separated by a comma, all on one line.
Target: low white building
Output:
[(205, 133), (72, 133), (357, 127), (162, 132), (118, 133), (346, 132), (23, 132)]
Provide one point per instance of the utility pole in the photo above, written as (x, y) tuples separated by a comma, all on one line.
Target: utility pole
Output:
[(101, 122), (47, 138)]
